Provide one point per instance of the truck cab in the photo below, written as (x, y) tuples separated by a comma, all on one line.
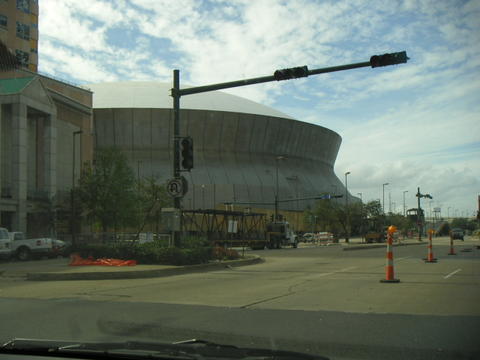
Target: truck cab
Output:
[(280, 233)]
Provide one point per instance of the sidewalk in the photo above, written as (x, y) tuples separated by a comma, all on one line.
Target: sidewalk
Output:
[(58, 269)]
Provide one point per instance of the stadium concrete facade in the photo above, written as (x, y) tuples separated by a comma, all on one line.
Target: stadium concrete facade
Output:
[(240, 146)]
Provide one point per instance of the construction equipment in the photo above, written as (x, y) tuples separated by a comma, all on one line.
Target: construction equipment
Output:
[(375, 231)]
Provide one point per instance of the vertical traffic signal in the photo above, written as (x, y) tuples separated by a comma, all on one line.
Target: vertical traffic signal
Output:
[(389, 59), (186, 153)]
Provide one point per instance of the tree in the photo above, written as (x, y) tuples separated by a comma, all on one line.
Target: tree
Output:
[(444, 229), (107, 190), (464, 223), (374, 218), (373, 209), (151, 197), (330, 216), (401, 222)]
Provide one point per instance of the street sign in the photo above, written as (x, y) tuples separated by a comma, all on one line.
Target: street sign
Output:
[(176, 187)]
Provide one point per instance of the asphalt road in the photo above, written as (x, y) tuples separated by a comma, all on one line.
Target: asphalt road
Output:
[(316, 300)]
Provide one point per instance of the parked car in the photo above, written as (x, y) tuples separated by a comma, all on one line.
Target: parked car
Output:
[(24, 248), (308, 237), (457, 234), (5, 244)]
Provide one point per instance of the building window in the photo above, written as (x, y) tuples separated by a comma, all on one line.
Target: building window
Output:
[(33, 46), (22, 57), (23, 5), (23, 31), (3, 21)]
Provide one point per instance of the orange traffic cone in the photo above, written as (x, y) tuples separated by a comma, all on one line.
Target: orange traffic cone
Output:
[(452, 251), (430, 258), (389, 273)]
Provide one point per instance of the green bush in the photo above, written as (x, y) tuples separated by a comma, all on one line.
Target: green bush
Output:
[(221, 253), (193, 242), (148, 253)]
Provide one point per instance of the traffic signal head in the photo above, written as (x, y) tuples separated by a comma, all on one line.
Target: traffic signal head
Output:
[(291, 73), (186, 153), (389, 59)]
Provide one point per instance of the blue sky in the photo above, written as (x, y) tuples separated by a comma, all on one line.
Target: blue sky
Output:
[(416, 124)]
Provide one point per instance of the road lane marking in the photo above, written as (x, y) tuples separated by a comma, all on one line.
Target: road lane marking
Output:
[(452, 273), (333, 272), (346, 269), (403, 258)]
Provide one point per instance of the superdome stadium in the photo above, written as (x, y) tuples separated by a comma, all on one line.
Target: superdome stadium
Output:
[(239, 145)]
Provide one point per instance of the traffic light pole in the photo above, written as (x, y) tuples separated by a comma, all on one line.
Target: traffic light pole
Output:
[(419, 218), (283, 74), (419, 212), (264, 79), (176, 155)]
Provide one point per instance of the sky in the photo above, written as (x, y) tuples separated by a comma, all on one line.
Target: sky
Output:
[(410, 125)]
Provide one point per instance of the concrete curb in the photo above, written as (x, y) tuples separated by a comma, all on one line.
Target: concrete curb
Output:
[(376, 246), (141, 274)]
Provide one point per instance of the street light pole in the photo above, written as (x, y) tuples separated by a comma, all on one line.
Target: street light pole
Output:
[(390, 202), (72, 192), (277, 158), (404, 207), (347, 235), (383, 196)]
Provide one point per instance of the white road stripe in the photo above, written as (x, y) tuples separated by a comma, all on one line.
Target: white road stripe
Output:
[(346, 269), (403, 258), (452, 273), (334, 272)]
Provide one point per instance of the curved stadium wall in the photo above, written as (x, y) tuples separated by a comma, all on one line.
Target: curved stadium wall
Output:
[(236, 143)]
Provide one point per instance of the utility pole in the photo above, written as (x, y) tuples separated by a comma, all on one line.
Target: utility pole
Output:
[(347, 235), (383, 197), (404, 206), (72, 192)]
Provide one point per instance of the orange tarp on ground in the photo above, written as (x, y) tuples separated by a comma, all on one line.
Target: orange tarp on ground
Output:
[(77, 260)]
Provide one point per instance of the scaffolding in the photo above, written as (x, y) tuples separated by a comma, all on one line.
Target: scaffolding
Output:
[(225, 225)]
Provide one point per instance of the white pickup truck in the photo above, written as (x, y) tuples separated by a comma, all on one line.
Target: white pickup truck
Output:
[(24, 248), (5, 248)]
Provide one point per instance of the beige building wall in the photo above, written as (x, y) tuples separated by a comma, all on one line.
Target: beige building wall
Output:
[(19, 30)]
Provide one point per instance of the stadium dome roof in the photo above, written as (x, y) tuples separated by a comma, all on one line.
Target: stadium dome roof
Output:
[(134, 94)]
